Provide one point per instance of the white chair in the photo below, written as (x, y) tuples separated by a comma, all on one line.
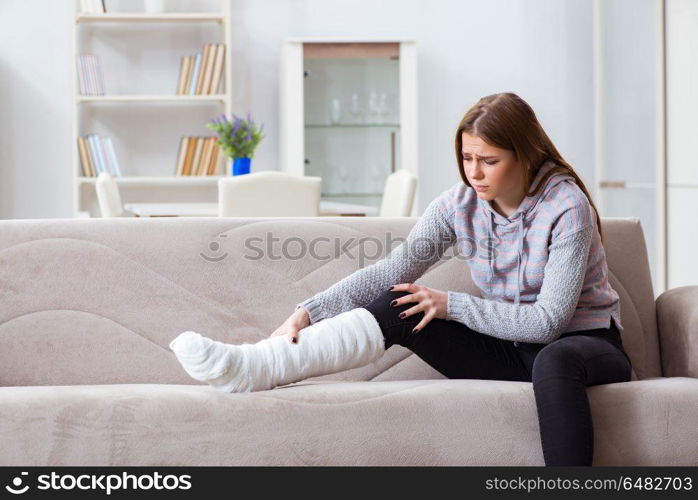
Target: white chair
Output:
[(398, 195), (269, 194), (109, 198)]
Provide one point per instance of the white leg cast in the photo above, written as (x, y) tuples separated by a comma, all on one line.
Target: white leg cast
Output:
[(348, 340)]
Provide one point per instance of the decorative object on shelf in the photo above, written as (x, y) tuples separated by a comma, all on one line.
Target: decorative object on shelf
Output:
[(335, 111), (241, 166), (356, 112), (238, 139)]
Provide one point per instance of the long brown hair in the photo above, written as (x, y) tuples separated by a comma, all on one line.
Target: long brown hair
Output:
[(507, 122)]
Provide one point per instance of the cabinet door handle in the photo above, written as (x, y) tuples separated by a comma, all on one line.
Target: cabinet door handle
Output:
[(612, 184)]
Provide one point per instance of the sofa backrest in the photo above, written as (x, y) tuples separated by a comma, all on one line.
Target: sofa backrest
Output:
[(97, 301)]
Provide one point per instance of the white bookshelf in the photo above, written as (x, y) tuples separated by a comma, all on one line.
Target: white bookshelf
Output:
[(151, 182)]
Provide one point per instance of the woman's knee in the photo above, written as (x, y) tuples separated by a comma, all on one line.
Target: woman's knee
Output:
[(381, 307), (559, 358)]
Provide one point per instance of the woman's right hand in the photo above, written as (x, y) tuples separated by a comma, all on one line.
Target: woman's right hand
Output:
[(293, 325)]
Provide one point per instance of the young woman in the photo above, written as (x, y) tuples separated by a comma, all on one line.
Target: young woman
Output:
[(547, 314)]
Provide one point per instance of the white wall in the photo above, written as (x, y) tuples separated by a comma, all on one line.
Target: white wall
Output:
[(540, 49), (35, 109)]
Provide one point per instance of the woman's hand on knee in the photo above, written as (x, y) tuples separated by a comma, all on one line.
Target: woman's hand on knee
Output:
[(433, 303), (293, 325)]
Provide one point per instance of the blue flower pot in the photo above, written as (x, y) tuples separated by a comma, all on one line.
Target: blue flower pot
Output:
[(241, 166)]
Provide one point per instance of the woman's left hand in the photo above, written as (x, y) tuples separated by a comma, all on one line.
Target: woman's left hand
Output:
[(434, 303)]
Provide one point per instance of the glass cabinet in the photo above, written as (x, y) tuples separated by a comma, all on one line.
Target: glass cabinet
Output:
[(630, 167), (348, 114)]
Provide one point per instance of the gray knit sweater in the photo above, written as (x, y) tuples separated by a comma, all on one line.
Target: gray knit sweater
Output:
[(541, 319)]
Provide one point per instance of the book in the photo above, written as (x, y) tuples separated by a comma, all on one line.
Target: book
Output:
[(194, 75), (93, 154), (205, 69), (99, 76), (90, 76), (217, 69), (191, 141), (213, 167), (209, 68), (197, 155), (84, 75), (85, 163), (205, 156), (111, 154), (181, 155), (102, 142), (97, 155), (184, 70)]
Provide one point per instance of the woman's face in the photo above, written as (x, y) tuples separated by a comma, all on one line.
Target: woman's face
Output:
[(495, 168)]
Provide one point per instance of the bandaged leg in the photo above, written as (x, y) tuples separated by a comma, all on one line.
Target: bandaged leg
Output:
[(348, 340)]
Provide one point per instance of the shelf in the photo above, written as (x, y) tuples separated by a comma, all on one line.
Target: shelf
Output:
[(146, 98), (353, 125), (184, 180), (120, 17)]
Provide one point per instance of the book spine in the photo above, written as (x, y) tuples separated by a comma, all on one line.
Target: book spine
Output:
[(213, 166), (191, 142), (205, 88), (205, 157), (99, 142), (182, 71), (218, 69), (181, 154), (203, 70), (195, 74), (102, 141), (96, 143), (90, 75), (83, 159), (111, 153), (93, 154)]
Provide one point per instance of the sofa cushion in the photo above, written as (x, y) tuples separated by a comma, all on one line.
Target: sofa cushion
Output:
[(410, 422)]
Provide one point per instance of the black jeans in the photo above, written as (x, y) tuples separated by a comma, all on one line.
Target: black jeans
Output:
[(560, 371)]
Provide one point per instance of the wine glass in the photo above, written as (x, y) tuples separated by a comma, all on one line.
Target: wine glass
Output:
[(335, 111), (355, 108)]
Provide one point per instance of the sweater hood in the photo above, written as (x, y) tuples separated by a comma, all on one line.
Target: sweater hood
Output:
[(524, 212)]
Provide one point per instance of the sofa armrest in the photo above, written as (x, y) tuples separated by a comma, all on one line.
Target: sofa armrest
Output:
[(677, 324)]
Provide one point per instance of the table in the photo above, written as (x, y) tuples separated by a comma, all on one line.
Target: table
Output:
[(189, 209)]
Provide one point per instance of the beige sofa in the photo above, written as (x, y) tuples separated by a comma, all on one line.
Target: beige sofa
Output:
[(88, 307)]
